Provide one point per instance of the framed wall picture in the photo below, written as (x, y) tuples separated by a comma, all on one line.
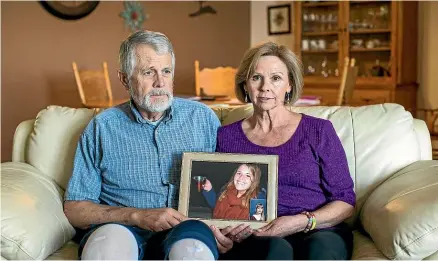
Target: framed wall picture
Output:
[(224, 189), (279, 20)]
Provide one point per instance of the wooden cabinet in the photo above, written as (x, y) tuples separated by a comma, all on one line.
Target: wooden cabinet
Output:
[(372, 96), (380, 35)]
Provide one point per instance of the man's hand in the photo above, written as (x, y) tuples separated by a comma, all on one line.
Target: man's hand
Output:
[(224, 244), (207, 185), (283, 226), (157, 219)]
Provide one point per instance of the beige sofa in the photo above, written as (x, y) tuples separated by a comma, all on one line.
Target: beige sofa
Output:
[(389, 155)]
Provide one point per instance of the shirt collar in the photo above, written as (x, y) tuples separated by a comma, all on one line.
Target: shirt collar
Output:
[(168, 114)]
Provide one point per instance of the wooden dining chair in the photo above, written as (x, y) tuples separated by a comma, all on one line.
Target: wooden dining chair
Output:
[(348, 80), (430, 116), (94, 87), (217, 82)]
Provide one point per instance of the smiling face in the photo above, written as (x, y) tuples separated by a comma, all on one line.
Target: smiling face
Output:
[(151, 83), (243, 178), (268, 85)]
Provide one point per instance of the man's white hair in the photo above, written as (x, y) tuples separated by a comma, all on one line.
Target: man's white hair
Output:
[(158, 41)]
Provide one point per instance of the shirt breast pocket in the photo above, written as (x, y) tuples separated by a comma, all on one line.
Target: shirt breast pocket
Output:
[(130, 169)]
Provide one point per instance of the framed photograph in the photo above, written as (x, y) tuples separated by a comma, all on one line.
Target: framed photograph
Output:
[(279, 20), (225, 189)]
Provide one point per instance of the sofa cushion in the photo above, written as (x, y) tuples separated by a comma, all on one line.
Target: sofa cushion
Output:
[(401, 215), (33, 224), (67, 252), (53, 141), (434, 256), (364, 248), (385, 141)]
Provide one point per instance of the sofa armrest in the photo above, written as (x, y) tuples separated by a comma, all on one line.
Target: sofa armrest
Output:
[(401, 215), (33, 224), (21, 136)]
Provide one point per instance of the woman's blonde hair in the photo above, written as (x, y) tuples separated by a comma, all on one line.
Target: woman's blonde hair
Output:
[(252, 191), (249, 62)]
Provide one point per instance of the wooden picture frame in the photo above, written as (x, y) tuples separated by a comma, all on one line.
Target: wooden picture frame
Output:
[(235, 192), (279, 19)]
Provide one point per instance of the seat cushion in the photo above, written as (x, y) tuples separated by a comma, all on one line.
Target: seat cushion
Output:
[(401, 215), (33, 224), (68, 252), (53, 141), (434, 256), (365, 249)]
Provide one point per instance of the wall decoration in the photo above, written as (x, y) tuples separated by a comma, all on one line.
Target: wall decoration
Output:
[(203, 10), (279, 19), (134, 15), (69, 10)]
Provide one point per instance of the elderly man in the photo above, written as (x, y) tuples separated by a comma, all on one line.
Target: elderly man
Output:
[(124, 188)]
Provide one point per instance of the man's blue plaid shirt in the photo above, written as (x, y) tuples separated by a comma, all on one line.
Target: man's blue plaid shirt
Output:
[(122, 160)]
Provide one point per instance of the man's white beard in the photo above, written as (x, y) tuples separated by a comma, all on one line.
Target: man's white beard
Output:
[(158, 105)]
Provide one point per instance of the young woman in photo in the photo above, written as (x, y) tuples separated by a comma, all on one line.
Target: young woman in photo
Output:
[(259, 214), (233, 200)]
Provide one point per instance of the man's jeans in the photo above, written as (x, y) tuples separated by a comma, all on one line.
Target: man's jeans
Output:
[(156, 245)]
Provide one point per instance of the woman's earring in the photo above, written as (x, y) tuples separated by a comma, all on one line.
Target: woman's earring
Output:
[(246, 97), (287, 100)]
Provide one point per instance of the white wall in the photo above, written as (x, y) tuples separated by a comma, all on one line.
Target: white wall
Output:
[(428, 55), (259, 24)]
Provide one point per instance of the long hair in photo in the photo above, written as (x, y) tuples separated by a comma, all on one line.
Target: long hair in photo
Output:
[(253, 189)]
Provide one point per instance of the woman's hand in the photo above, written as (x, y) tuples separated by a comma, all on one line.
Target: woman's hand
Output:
[(207, 185), (224, 244), (226, 237), (283, 226), (237, 233)]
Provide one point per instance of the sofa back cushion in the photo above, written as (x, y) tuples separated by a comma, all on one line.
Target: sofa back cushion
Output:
[(378, 140), (53, 141)]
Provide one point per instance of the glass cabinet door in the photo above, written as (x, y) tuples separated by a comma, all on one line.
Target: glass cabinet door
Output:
[(319, 41), (370, 36)]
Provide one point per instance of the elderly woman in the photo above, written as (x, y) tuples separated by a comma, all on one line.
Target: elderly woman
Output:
[(234, 199), (315, 190)]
